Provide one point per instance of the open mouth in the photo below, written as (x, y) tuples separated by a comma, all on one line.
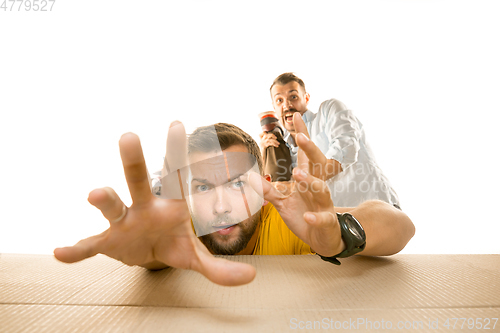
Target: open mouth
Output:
[(289, 118)]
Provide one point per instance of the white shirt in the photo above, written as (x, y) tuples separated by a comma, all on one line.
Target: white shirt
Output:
[(340, 136)]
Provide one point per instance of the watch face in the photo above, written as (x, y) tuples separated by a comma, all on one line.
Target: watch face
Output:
[(354, 228), (354, 231)]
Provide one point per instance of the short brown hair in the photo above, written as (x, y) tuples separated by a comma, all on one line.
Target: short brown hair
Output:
[(286, 78), (203, 140)]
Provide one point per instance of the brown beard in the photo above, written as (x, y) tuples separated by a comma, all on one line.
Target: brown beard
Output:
[(247, 229)]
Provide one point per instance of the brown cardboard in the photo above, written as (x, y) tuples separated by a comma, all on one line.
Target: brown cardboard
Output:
[(40, 294)]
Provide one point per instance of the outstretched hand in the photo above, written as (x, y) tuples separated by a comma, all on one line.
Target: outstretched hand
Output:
[(152, 232), (308, 211)]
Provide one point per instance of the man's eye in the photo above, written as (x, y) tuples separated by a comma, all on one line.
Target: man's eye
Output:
[(293, 97), (279, 100), (202, 188), (238, 184)]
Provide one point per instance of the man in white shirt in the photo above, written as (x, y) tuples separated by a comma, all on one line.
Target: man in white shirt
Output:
[(344, 159)]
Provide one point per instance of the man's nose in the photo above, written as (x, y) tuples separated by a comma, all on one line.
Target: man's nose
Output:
[(221, 204), (287, 104)]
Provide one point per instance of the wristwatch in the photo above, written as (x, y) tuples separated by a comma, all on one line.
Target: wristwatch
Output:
[(353, 235)]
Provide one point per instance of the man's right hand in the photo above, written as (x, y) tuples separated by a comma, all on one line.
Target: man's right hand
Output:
[(268, 140), (152, 232)]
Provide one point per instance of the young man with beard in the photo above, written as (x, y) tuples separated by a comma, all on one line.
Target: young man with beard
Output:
[(157, 232), (346, 161), (263, 231)]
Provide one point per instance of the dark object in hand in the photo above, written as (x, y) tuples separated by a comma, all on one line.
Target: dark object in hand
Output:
[(277, 160)]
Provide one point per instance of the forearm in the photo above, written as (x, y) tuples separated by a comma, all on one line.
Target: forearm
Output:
[(387, 229)]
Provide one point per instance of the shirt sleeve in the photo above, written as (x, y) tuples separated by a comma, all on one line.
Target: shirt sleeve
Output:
[(343, 131)]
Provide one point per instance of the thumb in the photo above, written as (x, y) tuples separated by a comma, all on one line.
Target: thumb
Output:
[(299, 124), (224, 272), (302, 158), (313, 153), (320, 219), (84, 249)]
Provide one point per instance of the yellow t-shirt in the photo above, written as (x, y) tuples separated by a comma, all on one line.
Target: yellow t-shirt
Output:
[(274, 236)]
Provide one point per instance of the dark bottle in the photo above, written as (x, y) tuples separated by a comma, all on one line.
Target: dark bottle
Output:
[(277, 160)]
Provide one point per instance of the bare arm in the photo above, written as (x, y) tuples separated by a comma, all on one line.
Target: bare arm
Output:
[(310, 214), (387, 229)]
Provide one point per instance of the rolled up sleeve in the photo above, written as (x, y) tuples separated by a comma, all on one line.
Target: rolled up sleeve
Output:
[(343, 131)]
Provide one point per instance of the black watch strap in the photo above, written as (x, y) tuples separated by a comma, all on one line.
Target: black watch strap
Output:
[(353, 235)]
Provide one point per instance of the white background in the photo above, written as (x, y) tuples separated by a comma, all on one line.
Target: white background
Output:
[(422, 76)]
